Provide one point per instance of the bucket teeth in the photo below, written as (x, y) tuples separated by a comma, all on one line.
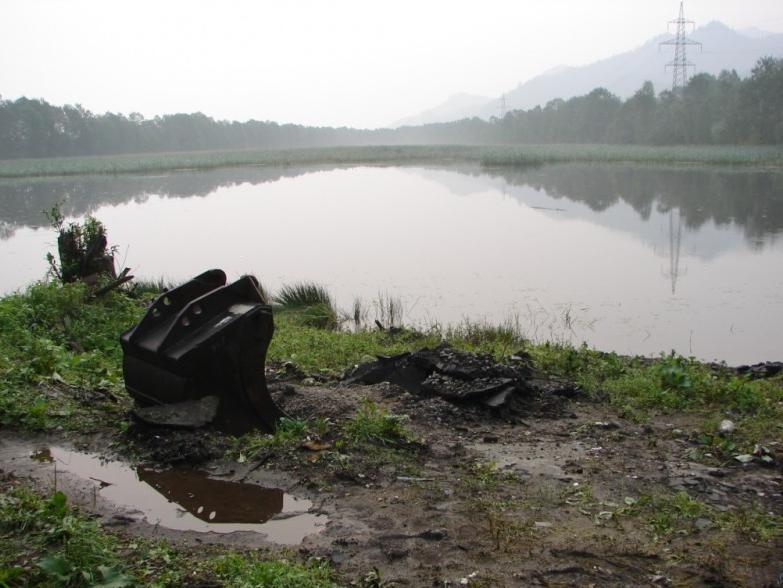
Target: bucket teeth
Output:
[(204, 339)]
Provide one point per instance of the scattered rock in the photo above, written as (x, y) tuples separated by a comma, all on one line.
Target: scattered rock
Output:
[(542, 525), (191, 414), (756, 371), (606, 425), (396, 553), (703, 524), (433, 534), (726, 427)]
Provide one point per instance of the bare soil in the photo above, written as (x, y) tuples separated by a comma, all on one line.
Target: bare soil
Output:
[(563, 504)]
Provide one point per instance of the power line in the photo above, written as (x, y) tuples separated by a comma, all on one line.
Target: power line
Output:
[(680, 63)]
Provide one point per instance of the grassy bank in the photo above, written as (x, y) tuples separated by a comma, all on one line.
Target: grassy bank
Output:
[(60, 372), (497, 155), (60, 364)]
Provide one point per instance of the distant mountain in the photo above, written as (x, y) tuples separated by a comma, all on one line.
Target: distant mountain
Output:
[(452, 109), (623, 74)]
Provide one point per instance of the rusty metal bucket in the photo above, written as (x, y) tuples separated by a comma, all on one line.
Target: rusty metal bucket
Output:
[(201, 344)]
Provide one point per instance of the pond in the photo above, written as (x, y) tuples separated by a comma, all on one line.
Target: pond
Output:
[(637, 260)]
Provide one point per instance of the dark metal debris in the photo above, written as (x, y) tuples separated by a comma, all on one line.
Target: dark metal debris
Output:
[(201, 339), (767, 369), (460, 376)]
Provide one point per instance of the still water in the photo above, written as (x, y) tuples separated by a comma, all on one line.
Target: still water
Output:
[(631, 259)]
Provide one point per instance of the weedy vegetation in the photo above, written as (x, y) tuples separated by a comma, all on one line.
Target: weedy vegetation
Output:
[(495, 155), (308, 303), (46, 542), (669, 514), (58, 344), (375, 425), (288, 436), (249, 572)]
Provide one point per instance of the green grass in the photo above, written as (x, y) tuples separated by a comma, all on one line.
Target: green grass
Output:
[(66, 548), (730, 155), (312, 302), (241, 571), (288, 436), (57, 344), (302, 295), (637, 387), (496, 155), (333, 351), (155, 162), (375, 425), (46, 543), (669, 514), (482, 477)]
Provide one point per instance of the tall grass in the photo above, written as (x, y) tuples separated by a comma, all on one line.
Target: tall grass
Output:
[(156, 162), (389, 310), (302, 294), (312, 302), (771, 157), (496, 155)]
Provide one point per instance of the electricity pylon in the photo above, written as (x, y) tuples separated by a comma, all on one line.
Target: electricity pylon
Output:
[(680, 63), (675, 244)]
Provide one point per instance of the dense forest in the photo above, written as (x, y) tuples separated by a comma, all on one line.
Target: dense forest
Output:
[(709, 110)]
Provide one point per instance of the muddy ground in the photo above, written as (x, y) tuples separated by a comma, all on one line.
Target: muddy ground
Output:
[(572, 499)]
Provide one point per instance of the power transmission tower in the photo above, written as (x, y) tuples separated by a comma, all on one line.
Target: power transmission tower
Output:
[(675, 244), (502, 106), (680, 63)]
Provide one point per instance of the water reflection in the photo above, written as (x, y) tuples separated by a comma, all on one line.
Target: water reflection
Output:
[(640, 259), (23, 202), (185, 500), (215, 501), (749, 199)]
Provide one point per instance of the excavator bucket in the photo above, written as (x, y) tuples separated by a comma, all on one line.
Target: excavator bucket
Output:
[(198, 356)]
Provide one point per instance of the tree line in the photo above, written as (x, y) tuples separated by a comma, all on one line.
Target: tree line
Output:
[(710, 110)]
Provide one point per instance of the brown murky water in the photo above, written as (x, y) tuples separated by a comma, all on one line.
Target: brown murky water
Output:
[(182, 500)]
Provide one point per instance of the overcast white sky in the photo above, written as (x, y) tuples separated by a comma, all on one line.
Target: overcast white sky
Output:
[(322, 62)]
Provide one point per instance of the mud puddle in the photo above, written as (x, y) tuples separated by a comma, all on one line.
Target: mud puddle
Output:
[(535, 459), (176, 499)]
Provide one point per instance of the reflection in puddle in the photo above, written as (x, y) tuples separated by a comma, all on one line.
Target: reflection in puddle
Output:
[(188, 500), (215, 501)]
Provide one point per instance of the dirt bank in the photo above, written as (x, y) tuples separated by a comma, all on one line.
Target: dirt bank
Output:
[(576, 496)]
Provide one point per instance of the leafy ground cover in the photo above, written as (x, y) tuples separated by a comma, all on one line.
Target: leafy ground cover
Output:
[(46, 542)]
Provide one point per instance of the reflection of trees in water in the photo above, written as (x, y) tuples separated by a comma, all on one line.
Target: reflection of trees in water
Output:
[(752, 200), (22, 202)]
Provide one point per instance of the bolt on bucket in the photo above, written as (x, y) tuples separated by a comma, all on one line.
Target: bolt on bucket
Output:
[(198, 356)]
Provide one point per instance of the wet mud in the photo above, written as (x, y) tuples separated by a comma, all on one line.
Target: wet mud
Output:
[(183, 500), (493, 498)]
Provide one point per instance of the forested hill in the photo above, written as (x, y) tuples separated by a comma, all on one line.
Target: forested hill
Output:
[(721, 109)]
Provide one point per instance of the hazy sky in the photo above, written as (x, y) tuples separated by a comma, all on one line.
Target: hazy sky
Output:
[(340, 62)]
